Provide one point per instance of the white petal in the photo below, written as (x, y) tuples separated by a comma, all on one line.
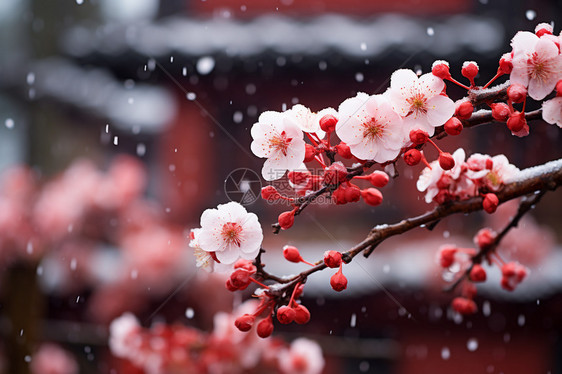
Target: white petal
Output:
[(232, 212), (546, 49), (552, 111), (229, 255), (209, 218), (261, 147), (539, 89), (403, 79), (520, 73), (430, 85), (523, 42), (439, 110)]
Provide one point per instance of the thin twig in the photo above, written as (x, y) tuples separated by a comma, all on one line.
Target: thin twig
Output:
[(526, 204)]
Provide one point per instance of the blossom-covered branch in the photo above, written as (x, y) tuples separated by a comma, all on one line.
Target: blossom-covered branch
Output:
[(335, 153)]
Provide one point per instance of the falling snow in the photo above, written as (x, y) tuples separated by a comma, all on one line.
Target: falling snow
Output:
[(472, 344)]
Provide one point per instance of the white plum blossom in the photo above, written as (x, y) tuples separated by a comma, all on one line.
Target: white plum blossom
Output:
[(279, 139), (492, 178), (419, 100), (303, 357), (552, 111), (123, 332), (537, 63), (230, 232), (309, 121), (371, 129), (203, 259), (454, 181)]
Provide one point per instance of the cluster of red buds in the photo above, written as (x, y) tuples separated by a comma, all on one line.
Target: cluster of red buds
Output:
[(333, 259), (513, 273), (286, 314)]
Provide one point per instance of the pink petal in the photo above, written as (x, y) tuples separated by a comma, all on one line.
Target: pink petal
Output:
[(364, 150), (552, 111), (403, 79), (546, 49), (539, 89), (260, 147), (430, 85), (228, 255), (439, 110), (520, 73), (398, 102), (523, 42)]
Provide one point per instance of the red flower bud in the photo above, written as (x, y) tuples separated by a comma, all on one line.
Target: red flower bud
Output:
[(543, 29), (338, 281), (339, 195), (516, 93), (240, 279), (270, 193), (286, 315), (490, 203), (513, 273), (447, 256), (343, 150), (245, 264), (485, 238), (372, 196), (418, 136), (309, 153), (292, 254), (477, 274), (412, 157), (559, 88), (464, 306), (446, 161), (378, 178), (469, 70), (506, 66), (286, 219), (230, 287), (244, 322), (302, 315), (453, 126), (464, 110), (441, 69), (500, 111), (265, 327), (352, 194), (516, 121), (328, 123), (332, 259), (335, 173)]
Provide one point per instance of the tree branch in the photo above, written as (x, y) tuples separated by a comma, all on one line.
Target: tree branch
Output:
[(534, 181), (527, 203)]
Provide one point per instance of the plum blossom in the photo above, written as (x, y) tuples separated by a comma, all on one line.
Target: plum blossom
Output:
[(537, 63), (490, 172), (203, 259), (419, 100), (278, 138), (303, 357), (371, 129), (51, 359), (309, 121), (123, 333), (552, 111), (446, 184), (230, 232)]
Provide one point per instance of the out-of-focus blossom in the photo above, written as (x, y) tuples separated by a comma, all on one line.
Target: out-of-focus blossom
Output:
[(52, 359)]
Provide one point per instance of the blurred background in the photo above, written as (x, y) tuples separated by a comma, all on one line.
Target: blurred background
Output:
[(121, 120)]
